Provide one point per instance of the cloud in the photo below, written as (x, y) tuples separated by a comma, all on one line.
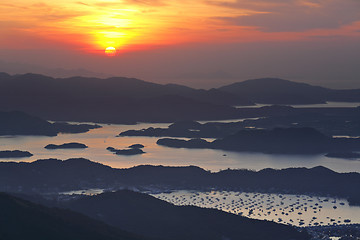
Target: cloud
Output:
[(325, 36), (84, 4), (147, 2), (152, 3), (294, 15), (219, 74)]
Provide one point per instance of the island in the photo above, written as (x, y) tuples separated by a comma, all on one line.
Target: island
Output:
[(331, 123), (136, 146), (177, 129), (275, 141), (180, 143), (21, 123), (345, 155), (64, 127), (72, 145), (15, 154), (126, 152)]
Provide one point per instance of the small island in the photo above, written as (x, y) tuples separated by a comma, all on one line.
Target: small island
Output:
[(138, 146), (72, 145), (15, 154), (180, 143), (126, 152), (189, 129), (345, 155)]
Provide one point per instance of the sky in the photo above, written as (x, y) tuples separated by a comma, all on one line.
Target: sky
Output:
[(200, 43)]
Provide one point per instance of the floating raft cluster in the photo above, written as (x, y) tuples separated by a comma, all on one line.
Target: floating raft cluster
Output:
[(297, 210)]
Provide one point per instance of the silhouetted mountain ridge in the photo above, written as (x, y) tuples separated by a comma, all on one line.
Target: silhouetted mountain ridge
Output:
[(115, 100), (130, 100), (277, 91), (280, 91)]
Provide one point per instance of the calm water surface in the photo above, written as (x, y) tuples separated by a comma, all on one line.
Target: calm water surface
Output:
[(99, 139), (297, 210)]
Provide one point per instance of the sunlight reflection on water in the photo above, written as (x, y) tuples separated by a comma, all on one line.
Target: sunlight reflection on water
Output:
[(298, 210), (99, 139)]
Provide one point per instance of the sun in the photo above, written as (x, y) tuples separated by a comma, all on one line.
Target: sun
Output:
[(110, 51)]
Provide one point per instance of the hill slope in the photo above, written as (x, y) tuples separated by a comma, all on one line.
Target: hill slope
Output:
[(20, 219), (153, 217)]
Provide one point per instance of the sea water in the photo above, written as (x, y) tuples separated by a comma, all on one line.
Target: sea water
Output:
[(99, 139)]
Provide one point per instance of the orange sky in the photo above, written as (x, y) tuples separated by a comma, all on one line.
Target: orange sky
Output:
[(94, 25), (201, 43)]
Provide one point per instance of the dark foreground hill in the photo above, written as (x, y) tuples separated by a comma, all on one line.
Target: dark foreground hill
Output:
[(20, 123), (146, 215), (49, 176), (20, 219)]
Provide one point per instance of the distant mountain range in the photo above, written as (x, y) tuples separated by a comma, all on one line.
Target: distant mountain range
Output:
[(114, 100), (128, 100), (280, 91), (22, 68)]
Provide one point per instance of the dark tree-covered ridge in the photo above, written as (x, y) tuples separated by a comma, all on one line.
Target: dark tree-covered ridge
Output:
[(48, 176)]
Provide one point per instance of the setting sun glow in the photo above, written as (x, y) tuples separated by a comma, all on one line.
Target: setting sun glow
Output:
[(110, 51), (94, 25)]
